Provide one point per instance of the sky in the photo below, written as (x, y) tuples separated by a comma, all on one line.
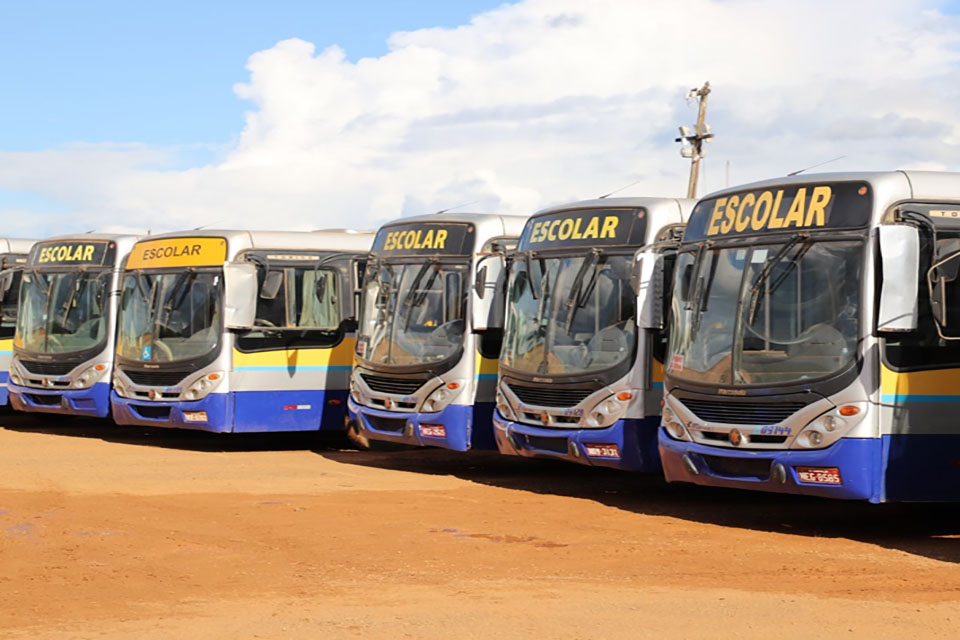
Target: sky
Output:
[(304, 115)]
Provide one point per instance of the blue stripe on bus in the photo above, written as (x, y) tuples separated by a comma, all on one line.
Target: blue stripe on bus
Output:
[(917, 398), (487, 376), (656, 385)]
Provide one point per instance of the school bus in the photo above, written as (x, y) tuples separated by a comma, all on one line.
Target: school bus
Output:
[(581, 368), (430, 330), (814, 338), (235, 331), (66, 324)]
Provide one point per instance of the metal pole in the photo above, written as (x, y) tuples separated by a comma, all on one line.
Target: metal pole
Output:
[(700, 134)]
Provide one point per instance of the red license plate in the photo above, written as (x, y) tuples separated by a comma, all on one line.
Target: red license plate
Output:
[(819, 475), (433, 430), (602, 450)]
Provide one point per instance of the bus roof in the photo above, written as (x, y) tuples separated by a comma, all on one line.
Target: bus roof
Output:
[(914, 184), (16, 245)]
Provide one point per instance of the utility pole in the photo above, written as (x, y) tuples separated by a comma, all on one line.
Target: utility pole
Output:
[(691, 143)]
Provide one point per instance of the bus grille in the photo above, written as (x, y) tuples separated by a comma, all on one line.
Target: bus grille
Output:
[(156, 378), (399, 386), (557, 445), (394, 425), (48, 368), (546, 396), (726, 412), (739, 467)]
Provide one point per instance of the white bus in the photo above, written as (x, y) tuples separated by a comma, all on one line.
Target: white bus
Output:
[(580, 372), (66, 321), (430, 330), (814, 348), (238, 331), (13, 256)]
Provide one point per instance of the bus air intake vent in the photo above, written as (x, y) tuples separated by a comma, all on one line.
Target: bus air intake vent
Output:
[(726, 412), (156, 378), (547, 396), (739, 467), (48, 368), (399, 386)]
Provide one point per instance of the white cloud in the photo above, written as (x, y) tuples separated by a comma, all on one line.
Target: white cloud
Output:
[(540, 102)]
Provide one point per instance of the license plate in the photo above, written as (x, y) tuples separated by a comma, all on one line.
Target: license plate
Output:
[(195, 416), (602, 450), (433, 430), (819, 475)]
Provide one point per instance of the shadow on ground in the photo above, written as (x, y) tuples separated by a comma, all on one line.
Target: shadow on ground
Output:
[(929, 530)]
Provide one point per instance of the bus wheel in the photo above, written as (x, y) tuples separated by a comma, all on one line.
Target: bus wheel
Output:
[(357, 438)]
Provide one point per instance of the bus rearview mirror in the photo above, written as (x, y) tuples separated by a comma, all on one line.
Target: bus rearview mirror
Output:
[(648, 270), (488, 293), (239, 295), (900, 267), (272, 282)]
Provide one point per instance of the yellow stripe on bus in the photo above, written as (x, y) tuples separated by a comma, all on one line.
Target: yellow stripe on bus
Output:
[(486, 366), (933, 382), (341, 356), (6, 346)]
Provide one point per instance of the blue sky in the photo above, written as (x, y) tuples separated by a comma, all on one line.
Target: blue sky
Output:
[(134, 116), (162, 73)]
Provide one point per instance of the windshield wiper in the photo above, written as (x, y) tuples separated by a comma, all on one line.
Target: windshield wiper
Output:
[(767, 270), (71, 296), (417, 294), (528, 262), (577, 298)]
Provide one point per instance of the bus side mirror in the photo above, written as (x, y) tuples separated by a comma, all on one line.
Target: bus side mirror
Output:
[(648, 272), (239, 295), (272, 282), (900, 267), (488, 293)]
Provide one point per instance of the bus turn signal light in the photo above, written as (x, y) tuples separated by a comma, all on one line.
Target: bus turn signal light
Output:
[(624, 396), (849, 410), (453, 386)]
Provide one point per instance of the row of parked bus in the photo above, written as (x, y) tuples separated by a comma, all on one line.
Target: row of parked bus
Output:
[(791, 335)]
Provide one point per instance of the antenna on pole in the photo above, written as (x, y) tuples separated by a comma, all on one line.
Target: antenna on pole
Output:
[(626, 186), (691, 142), (457, 206), (814, 166)]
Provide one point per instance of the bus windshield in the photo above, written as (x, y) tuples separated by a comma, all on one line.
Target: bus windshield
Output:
[(62, 312), (413, 313), (169, 317), (569, 314), (766, 314)]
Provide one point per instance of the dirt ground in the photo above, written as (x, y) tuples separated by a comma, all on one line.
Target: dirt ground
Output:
[(111, 532)]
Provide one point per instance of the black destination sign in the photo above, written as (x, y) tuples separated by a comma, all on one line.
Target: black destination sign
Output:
[(424, 238), (585, 228), (844, 205), (72, 252)]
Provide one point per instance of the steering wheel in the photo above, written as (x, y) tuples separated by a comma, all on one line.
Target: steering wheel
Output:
[(55, 340), (260, 322), (164, 349)]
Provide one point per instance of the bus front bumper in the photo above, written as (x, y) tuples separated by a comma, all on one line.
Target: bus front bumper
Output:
[(846, 469), (629, 444), (212, 413), (452, 428), (93, 402)]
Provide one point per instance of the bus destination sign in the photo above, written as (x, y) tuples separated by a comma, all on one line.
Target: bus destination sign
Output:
[(178, 252), (424, 239), (845, 205), (72, 253), (585, 228)]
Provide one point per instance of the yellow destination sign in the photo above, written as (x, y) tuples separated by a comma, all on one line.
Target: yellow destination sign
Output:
[(178, 252), (416, 239), (767, 210)]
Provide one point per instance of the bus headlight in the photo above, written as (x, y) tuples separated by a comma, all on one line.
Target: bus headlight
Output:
[(202, 386), (441, 396), (609, 410), (90, 376), (828, 428), (503, 406), (673, 426), (15, 378)]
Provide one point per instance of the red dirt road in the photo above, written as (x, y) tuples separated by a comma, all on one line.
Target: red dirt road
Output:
[(109, 532)]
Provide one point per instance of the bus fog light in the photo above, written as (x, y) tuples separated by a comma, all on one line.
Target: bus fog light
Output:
[(676, 429)]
